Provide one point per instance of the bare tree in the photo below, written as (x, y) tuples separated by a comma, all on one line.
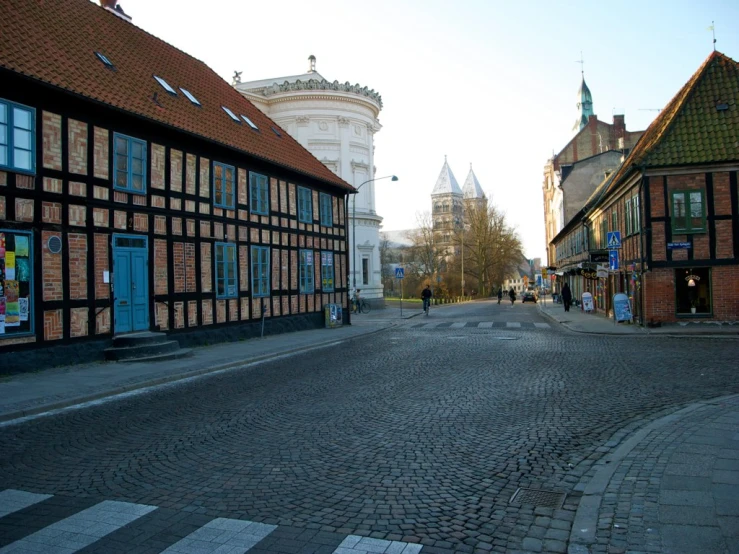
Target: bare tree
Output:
[(425, 256), (490, 246)]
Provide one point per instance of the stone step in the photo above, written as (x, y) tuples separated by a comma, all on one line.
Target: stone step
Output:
[(139, 351), (139, 338)]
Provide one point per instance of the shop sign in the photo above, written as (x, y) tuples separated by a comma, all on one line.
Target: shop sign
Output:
[(588, 273), (678, 245), (599, 257)]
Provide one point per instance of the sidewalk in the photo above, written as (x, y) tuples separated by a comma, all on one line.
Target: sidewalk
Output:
[(36, 392), (596, 323), (671, 486)]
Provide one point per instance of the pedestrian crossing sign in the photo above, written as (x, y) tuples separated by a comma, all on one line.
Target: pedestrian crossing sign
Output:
[(399, 273), (614, 239)]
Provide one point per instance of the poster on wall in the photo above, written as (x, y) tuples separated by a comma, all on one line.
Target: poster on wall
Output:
[(12, 309), (21, 247), (9, 266), (23, 308), (2, 315), (22, 270), (2, 245)]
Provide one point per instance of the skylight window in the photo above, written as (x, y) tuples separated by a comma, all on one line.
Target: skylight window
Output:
[(190, 97), (104, 59), (231, 114), (165, 85), (276, 132), (249, 122)]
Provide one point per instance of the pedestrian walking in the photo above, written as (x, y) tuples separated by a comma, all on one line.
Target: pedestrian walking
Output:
[(566, 296)]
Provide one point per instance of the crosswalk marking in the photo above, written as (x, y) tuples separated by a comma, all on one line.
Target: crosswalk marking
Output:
[(12, 500), (485, 325), (459, 325), (542, 325), (513, 324), (80, 530), (431, 325), (354, 544), (219, 536), (441, 324), (222, 536)]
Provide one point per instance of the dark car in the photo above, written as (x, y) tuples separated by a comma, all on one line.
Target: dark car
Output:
[(529, 296)]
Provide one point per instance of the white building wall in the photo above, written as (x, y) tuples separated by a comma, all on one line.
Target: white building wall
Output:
[(338, 128)]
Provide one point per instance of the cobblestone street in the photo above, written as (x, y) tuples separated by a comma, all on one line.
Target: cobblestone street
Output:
[(417, 435)]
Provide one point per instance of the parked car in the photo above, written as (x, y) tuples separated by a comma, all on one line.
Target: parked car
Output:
[(529, 296)]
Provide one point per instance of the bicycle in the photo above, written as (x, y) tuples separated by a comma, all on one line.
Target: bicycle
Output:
[(363, 307), (426, 306)]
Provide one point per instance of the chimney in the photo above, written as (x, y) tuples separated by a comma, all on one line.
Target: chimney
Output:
[(619, 125), (113, 7)]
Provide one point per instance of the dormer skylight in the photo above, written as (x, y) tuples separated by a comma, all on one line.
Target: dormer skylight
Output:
[(276, 132), (165, 85), (249, 122), (231, 114), (190, 97), (105, 60)]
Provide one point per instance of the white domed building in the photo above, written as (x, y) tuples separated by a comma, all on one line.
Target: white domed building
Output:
[(336, 122)]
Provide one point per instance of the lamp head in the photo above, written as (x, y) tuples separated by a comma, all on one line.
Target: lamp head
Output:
[(394, 178)]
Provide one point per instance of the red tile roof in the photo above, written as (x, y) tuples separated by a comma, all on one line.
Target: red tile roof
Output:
[(55, 42), (690, 129)]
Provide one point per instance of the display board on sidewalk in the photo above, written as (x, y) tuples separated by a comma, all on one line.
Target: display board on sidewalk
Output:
[(587, 302), (621, 308)]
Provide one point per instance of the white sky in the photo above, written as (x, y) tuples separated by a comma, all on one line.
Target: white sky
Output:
[(486, 82)]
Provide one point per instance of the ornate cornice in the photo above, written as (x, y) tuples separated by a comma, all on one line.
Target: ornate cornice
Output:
[(315, 84)]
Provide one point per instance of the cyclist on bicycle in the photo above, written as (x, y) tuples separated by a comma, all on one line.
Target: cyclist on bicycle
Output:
[(357, 301), (426, 295)]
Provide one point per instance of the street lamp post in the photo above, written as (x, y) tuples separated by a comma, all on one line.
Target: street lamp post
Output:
[(354, 227)]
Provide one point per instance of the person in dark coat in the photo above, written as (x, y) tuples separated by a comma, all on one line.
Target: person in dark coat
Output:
[(566, 296)]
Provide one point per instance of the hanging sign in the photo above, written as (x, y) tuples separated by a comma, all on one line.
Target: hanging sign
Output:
[(621, 308)]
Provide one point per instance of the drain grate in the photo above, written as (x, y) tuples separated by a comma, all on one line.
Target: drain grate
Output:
[(537, 497)]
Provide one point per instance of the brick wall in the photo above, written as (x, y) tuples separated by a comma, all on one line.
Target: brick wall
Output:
[(102, 289), (160, 266), (51, 272), (53, 325), (100, 153), (78, 322), (77, 265), (77, 147), (52, 140), (157, 166)]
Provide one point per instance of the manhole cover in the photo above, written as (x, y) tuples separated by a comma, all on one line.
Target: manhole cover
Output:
[(537, 497)]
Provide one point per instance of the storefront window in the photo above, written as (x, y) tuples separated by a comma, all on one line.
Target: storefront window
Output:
[(693, 291), (16, 283)]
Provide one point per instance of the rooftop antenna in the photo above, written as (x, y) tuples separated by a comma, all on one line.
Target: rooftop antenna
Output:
[(650, 109), (712, 28)]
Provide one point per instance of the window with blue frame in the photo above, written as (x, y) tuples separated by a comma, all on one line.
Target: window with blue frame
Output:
[(327, 271), (306, 271), (226, 270), (224, 193), (305, 205), (259, 192), (16, 281), (259, 271), (17, 137), (327, 210), (129, 164)]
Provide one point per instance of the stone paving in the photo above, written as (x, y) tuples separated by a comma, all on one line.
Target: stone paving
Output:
[(407, 437)]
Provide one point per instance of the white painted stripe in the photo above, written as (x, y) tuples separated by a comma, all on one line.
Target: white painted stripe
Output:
[(431, 325), (513, 324), (485, 324), (354, 544), (542, 325), (223, 536), (458, 325), (12, 500), (80, 530)]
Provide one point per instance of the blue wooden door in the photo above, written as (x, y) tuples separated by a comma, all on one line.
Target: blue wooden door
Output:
[(130, 284)]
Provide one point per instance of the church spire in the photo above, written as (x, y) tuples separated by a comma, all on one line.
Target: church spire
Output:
[(584, 100)]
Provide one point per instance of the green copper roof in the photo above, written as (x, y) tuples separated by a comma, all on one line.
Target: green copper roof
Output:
[(585, 105), (700, 124)]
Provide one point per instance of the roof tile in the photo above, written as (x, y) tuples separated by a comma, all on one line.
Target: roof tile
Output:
[(60, 39)]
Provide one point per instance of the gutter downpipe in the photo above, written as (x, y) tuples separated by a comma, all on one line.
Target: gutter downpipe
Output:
[(642, 291), (346, 265)]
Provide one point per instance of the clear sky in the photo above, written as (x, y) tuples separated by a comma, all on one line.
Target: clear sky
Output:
[(486, 82)]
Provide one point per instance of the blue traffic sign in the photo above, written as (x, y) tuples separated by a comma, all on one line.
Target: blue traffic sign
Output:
[(613, 259), (399, 273), (614, 239)]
